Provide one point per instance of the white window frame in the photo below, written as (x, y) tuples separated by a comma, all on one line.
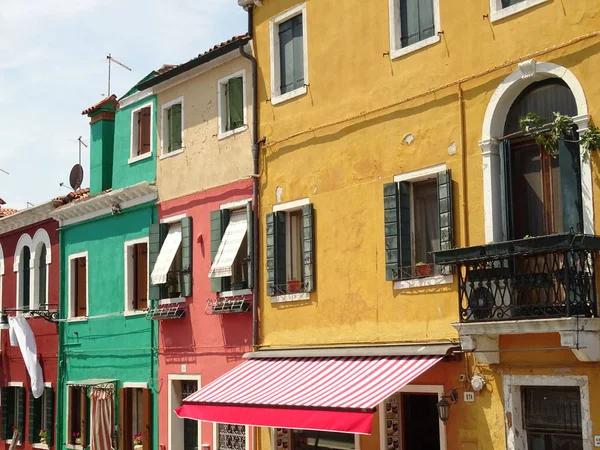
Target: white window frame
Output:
[(133, 135), (412, 389), (497, 12), (287, 207), (171, 436), (274, 439), (415, 176), (40, 238), (129, 271), (396, 49), (68, 418), (72, 258), (276, 95), (163, 153), (516, 436), (24, 241), (222, 106)]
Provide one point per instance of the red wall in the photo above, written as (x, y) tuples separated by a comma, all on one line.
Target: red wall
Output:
[(46, 333), (208, 345)]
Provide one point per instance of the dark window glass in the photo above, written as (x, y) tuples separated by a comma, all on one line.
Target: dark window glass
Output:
[(420, 422)]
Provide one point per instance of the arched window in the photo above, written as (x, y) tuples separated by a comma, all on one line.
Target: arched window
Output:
[(25, 278), (541, 193), (42, 283)]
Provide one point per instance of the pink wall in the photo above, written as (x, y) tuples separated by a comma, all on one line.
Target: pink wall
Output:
[(46, 333), (208, 345)]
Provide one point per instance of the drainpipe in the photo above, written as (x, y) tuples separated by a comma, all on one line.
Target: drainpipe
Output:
[(254, 132)]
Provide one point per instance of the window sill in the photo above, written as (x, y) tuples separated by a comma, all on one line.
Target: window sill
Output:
[(298, 296), (137, 312), (436, 280), (175, 153), (397, 53), (77, 319), (9, 441), (38, 445), (276, 99), (141, 157), (74, 446), (237, 293), (230, 133), (515, 9), (171, 301)]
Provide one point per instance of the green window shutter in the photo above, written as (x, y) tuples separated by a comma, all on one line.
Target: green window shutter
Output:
[(5, 399), (168, 133), (416, 21), (186, 255), (235, 103), (35, 417), (270, 222), (392, 230), (444, 188), (308, 247), (175, 127), (157, 234), (298, 46), (570, 184), (506, 190), (275, 252), (49, 412), (250, 244), (21, 410), (218, 224), (280, 250), (405, 248), (286, 56)]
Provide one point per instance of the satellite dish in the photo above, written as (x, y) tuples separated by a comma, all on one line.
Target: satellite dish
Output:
[(76, 177)]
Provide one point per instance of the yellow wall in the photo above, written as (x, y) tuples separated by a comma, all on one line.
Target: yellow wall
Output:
[(206, 160)]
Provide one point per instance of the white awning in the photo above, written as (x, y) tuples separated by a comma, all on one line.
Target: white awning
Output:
[(166, 255), (230, 245)]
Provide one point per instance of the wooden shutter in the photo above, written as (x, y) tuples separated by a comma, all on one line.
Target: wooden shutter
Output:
[(175, 127), (83, 419), (392, 230), (426, 19), (145, 129), (49, 412), (405, 248), (34, 413), (140, 255), (70, 419), (308, 247), (506, 190), (21, 410), (444, 189), (7, 405), (218, 224), (250, 244), (147, 416), (270, 223), (235, 103), (81, 287), (286, 56), (186, 256), (123, 419), (280, 250), (157, 234), (276, 267), (570, 184), (298, 51), (416, 21)]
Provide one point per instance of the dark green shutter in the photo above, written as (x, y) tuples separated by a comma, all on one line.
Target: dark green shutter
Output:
[(276, 268), (175, 127), (506, 190), (235, 103), (157, 235), (6, 407), (21, 410), (168, 132), (186, 255), (298, 45), (49, 412), (270, 223), (291, 54), (218, 224), (417, 21), (308, 247), (570, 184), (35, 417), (444, 188), (392, 230), (250, 244), (405, 249)]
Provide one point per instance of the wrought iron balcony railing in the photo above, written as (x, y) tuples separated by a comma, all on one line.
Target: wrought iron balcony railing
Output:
[(542, 277)]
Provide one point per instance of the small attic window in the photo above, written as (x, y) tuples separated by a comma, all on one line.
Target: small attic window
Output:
[(141, 132)]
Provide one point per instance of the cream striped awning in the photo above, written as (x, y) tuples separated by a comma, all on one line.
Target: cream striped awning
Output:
[(166, 255), (230, 245)]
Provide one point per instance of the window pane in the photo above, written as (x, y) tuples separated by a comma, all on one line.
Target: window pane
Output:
[(553, 409), (295, 246), (321, 440), (420, 423), (507, 3), (42, 278), (426, 221), (528, 198), (557, 208), (25, 276)]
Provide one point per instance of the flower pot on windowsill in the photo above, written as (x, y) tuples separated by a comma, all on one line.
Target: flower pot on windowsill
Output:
[(138, 447), (423, 270), (77, 441), (42, 440), (294, 286)]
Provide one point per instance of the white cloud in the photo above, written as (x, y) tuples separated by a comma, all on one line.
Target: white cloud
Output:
[(53, 65)]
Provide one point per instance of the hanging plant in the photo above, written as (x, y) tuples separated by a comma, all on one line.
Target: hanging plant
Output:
[(562, 127)]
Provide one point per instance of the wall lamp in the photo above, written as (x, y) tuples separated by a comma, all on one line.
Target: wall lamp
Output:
[(46, 314), (443, 406)]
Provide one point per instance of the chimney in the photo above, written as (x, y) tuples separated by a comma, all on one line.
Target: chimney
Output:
[(102, 133)]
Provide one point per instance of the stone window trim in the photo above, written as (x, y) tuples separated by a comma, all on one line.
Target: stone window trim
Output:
[(222, 110), (71, 287), (497, 12), (133, 157), (129, 269), (163, 116)]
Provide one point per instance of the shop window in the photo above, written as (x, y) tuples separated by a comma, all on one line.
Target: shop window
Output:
[(285, 439), (172, 126), (13, 412), (77, 416), (136, 270), (78, 285), (135, 417), (41, 413), (141, 131), (231, 437), (552, 417), (232, 104)]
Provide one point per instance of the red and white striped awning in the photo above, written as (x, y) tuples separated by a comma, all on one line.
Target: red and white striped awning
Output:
[(332, 394)]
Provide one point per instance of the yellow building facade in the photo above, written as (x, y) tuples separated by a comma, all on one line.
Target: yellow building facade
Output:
[(356, 99)]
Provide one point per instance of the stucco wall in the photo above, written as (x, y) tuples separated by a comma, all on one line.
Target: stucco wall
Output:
[(206, 160)]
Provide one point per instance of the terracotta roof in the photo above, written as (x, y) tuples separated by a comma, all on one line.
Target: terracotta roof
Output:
[(165, 68), (225, 43), (7, 211), (2, 202), (75, 195), (97, 106)]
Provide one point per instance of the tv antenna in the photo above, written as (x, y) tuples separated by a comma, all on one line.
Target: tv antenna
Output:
[(2, 170), (113, 60)]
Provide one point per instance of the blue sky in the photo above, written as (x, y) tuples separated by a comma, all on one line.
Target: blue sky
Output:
[(53, 66)]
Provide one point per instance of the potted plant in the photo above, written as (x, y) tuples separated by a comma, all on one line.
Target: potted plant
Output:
[(171, 285), (138, 443), (43, 436), (77, 438), (294, 285), (422, 269)]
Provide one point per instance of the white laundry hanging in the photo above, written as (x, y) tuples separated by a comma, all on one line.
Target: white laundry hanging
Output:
[(21, 335)]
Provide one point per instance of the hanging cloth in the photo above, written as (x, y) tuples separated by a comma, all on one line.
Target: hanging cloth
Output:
[(21, 335), (102, 418)]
